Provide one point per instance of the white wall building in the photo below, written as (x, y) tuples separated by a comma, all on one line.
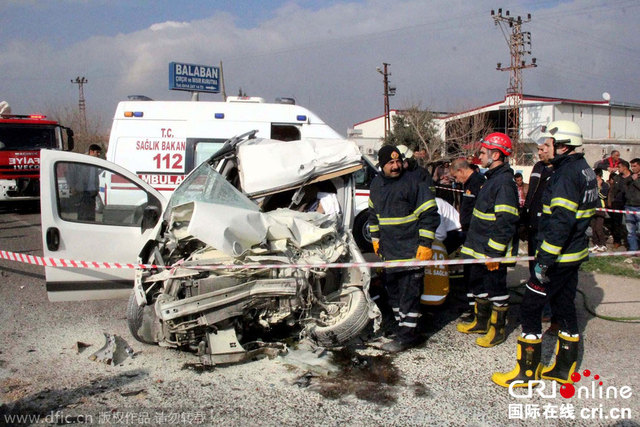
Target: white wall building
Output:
[(605, 125)]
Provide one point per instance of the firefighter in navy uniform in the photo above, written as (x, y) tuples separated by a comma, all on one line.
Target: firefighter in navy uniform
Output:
[(568, 203), (403, 217), (491, 235)]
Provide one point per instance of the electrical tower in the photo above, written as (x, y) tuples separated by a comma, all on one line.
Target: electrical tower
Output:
[(519, 46), (388, 91), (80, 81)]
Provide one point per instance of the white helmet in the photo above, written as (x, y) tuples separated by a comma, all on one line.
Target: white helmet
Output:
[(406, 152), (563, 132)]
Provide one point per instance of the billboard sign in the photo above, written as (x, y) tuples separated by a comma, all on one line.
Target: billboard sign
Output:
[(194, 78)]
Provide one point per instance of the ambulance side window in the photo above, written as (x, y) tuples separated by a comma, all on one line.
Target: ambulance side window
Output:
[(200, 149), (285, 132)]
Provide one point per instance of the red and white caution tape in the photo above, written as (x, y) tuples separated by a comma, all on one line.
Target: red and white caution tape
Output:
[(68, 263), (65, 263), (618, 211)]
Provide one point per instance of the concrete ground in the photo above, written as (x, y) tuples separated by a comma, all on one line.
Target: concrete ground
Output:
[(443, 381)]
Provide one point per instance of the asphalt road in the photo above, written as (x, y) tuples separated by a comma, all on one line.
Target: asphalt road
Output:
[(445, 381)]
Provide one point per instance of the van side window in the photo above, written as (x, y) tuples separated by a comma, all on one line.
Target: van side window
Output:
[(285, 132), (91, 194)]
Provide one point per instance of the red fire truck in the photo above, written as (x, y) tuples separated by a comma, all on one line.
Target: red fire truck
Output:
[(21, 138)]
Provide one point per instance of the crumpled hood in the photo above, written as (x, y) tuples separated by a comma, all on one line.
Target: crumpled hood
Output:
[(235, 230), (292, 163)]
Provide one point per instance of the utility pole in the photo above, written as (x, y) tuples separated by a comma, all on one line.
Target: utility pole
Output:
[(80, 81), (519, 46), (388, 91)]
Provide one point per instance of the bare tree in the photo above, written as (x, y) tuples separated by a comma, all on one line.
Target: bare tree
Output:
[(416, 128), (463, 134), (94, 132)]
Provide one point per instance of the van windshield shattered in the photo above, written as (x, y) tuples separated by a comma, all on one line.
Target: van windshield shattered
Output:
[(207, 185)]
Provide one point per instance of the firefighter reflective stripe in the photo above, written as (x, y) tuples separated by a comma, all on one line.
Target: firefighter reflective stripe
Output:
[(397, 221), (552, 249), (497, 246), (485, 216), (586, 213), (468, 251), (564, 203), (408, 324), (373, 228), (546, 209), (574, 256), (506, 208), (370, 203), (537, 291), (429, 204), (500, 300), (426, 233), (410, 320)]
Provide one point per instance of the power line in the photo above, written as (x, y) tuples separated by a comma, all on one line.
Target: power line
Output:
[(80, 81), (519, 43)]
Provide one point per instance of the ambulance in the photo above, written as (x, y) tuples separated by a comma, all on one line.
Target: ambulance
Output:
[(162, 141)]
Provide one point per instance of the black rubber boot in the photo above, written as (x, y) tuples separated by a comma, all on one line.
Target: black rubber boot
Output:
[(528, 364), (496, 333), (566, 359), (480, 322)]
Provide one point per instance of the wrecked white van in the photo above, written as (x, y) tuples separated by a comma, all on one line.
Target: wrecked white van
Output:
[(256, 202)]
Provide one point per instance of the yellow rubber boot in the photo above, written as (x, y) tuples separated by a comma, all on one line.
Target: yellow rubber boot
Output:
[(496, 333), (481, 318), (528, 364), (566, 359)]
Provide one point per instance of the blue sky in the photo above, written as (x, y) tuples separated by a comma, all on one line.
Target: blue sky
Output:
[(64, 22), (442, 53)]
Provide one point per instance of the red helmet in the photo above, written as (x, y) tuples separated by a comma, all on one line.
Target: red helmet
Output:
[(497, 141)]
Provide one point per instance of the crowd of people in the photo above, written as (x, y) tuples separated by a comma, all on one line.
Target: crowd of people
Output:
[(496, 209)]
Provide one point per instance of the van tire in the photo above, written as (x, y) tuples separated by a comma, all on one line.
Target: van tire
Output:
[(361, 232), (349, 326), (140, 327)]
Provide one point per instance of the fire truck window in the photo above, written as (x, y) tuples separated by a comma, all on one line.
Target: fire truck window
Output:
[(26, 137), (285, 132)]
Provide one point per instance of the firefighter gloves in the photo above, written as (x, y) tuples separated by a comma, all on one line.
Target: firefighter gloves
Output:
[(492, 266), (376, 246), (541, 273), (424, 253)]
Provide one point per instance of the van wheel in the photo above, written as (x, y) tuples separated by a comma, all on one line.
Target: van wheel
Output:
[(347, 324), (361, 232), (140, 320)]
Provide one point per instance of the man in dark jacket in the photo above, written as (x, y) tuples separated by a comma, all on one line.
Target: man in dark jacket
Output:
[(569, 202), (632, 203), (472, 181), (403, 217), (532, 211), (616, 200), (491, 235), (610, 163)]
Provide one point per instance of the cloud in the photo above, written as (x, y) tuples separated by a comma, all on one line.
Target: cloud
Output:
[(443, 55), (168, 25)]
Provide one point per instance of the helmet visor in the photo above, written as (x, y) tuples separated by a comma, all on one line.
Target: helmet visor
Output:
[(540, 133)]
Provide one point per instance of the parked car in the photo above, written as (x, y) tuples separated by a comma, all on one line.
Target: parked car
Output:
[(251, 204)]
